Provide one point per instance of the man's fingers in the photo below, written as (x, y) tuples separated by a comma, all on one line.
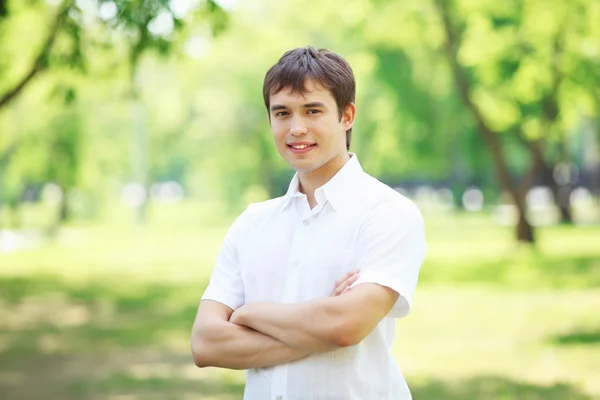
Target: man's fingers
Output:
[(349, 282), (341, 288), (343, 279)]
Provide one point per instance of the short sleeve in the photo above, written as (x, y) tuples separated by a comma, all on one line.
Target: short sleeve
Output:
[(391, 248), (226, 284)]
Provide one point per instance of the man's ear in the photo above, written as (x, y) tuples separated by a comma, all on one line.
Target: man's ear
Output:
[(348, 116)]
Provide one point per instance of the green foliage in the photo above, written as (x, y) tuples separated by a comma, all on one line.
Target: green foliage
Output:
[(75, 37), (533, 69)]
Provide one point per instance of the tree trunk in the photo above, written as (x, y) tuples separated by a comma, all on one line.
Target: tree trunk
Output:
[(561, 194), (14, 208), (524, 229), (566, 218), (64, 212), (139, 156), (562, 197)]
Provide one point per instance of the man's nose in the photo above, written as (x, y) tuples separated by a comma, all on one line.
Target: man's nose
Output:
[(297, 127)]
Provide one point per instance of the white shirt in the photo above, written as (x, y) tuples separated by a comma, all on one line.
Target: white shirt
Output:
[(282, 251)]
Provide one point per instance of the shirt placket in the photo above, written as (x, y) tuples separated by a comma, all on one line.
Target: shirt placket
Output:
[(290, 292)]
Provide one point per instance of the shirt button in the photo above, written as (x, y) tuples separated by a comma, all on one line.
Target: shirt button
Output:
[(296, 263), (305, 222)]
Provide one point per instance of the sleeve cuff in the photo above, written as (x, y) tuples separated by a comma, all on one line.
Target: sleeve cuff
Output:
[(402, 305), (228, 299)]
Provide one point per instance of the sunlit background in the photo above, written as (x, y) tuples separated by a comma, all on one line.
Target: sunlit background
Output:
[(133, 132)]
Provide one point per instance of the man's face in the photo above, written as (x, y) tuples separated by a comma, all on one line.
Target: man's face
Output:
[(306, 127)]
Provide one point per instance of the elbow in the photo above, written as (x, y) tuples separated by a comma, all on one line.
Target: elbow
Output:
[(345, 335), (200, 360), (201, 354), (342, 340)]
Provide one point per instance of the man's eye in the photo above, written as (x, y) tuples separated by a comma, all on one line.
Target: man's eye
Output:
[(314, 111), (280, 113)]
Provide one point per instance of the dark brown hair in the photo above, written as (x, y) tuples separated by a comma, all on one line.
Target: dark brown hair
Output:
[(327, 69)]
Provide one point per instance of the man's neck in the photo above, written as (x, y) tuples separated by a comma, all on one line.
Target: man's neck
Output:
[(311, 181)]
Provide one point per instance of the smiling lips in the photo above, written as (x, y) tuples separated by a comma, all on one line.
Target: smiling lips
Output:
[(301, 148)]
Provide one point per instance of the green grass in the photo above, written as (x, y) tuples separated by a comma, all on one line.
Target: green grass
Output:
[(105, 312)]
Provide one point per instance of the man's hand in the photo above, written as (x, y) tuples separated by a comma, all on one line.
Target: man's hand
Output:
[(343, 285), (238, 315)]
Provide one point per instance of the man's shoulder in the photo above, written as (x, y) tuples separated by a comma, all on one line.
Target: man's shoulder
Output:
[(380, 196)]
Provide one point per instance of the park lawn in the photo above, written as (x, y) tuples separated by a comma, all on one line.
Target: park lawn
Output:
[(105, 313)]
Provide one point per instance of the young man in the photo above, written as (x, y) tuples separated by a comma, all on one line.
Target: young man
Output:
[(273, 306)]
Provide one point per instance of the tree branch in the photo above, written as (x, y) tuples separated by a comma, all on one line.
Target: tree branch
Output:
[(41, 61), (7, 155), (549, 117), (3, 8), (451, 46), (537, 163), (135, 53), (550, 101)]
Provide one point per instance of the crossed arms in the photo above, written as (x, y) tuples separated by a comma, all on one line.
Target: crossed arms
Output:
[(264, 334)]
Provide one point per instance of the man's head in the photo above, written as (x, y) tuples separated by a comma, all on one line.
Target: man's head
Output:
[(309, 95)]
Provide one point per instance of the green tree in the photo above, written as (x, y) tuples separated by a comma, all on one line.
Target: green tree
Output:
[(77, 36), (515, 87), (71, 22)]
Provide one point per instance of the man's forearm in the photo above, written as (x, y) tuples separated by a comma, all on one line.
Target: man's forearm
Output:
[(232, 346), (310, 325)]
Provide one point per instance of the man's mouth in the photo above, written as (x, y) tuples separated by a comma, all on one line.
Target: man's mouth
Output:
[(301, 148)]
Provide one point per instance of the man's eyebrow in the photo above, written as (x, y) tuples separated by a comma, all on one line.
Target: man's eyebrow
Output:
[(314, 104), (276, 107)]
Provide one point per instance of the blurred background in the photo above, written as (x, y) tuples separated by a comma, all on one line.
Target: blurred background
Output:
[(133, 132)]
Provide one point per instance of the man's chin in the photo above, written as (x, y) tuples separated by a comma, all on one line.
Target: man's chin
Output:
[(302, 166)]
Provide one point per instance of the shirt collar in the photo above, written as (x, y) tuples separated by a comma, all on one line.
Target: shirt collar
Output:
[(336, 190)]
